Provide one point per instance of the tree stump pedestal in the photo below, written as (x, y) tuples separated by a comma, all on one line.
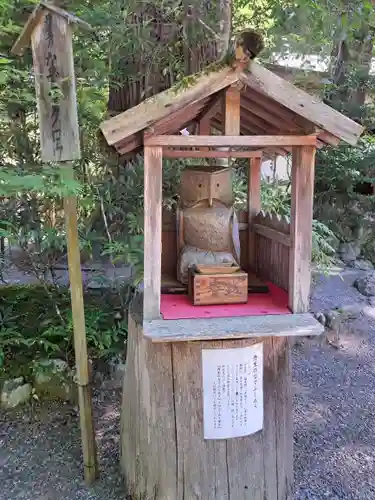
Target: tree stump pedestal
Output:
[(164, 455)]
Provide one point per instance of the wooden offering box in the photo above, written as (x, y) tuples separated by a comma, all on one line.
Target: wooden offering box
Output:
[(217, 287)]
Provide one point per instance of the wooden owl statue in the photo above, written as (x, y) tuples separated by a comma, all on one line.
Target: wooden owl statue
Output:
[(207, 227)]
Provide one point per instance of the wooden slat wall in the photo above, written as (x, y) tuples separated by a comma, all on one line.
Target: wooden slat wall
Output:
[(272, 248)]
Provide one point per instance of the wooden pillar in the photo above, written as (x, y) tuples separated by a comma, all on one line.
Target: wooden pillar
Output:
[(153, 160), (204, 126), (232, 114), (253, 205), (303, 162), (232, 111), (148, 433)]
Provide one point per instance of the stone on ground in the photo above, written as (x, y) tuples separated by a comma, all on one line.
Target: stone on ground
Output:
[(116, 369), (333, 320), (14, 393), (363, 265), (349, 252), (320, 316), (350, 311), (54, 379), (366, 284)]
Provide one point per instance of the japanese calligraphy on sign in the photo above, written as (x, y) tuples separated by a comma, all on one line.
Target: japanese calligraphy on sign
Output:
[(232, 391), (55, 88)]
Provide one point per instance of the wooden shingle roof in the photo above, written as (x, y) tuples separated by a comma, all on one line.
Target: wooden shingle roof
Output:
[(269, 105)]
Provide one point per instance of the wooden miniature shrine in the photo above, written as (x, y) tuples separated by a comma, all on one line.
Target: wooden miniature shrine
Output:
[(188, 431)]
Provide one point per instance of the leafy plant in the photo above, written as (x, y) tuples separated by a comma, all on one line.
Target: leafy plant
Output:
[(10, 339), (30, 329), (342, 177), (239, 183), (102, 339), (275, 197), (323, 251)]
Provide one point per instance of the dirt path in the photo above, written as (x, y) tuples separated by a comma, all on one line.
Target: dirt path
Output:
[(334, 405)]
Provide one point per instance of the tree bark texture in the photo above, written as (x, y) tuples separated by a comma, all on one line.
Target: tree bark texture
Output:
[(351, 61)]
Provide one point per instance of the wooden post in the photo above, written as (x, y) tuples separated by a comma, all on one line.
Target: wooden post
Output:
[(253, 205), (153, 162), (232, 111), (230, 141), (80, 344), (204, 126), (303, 162)]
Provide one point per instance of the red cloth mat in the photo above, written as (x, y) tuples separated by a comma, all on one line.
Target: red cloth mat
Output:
[(258, 304)]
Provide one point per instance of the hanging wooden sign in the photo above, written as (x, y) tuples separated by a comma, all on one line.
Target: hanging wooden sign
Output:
[(51, 43)]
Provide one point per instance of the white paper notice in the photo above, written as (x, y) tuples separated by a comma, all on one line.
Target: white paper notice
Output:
[(232, 391)]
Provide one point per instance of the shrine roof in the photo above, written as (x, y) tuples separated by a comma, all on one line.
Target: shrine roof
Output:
[(270, 105)]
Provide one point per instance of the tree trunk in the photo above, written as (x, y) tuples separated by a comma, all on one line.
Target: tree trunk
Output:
[(350, 68), (162, 47), (225, 27)]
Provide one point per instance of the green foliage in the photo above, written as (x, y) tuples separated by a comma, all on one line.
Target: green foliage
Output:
[(239, 183), (129, 251), (30, 329), (323, 250), (10, 340), (102, 333), (310, 27), (340, 174), (43, 182), (31, 193), (275, 197)]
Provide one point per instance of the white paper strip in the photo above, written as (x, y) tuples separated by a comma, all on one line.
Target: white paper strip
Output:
[(232, 391)]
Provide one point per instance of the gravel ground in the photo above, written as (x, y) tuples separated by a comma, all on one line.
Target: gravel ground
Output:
[(40, 454), (334, 403), (334, 400), (93, 276)]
